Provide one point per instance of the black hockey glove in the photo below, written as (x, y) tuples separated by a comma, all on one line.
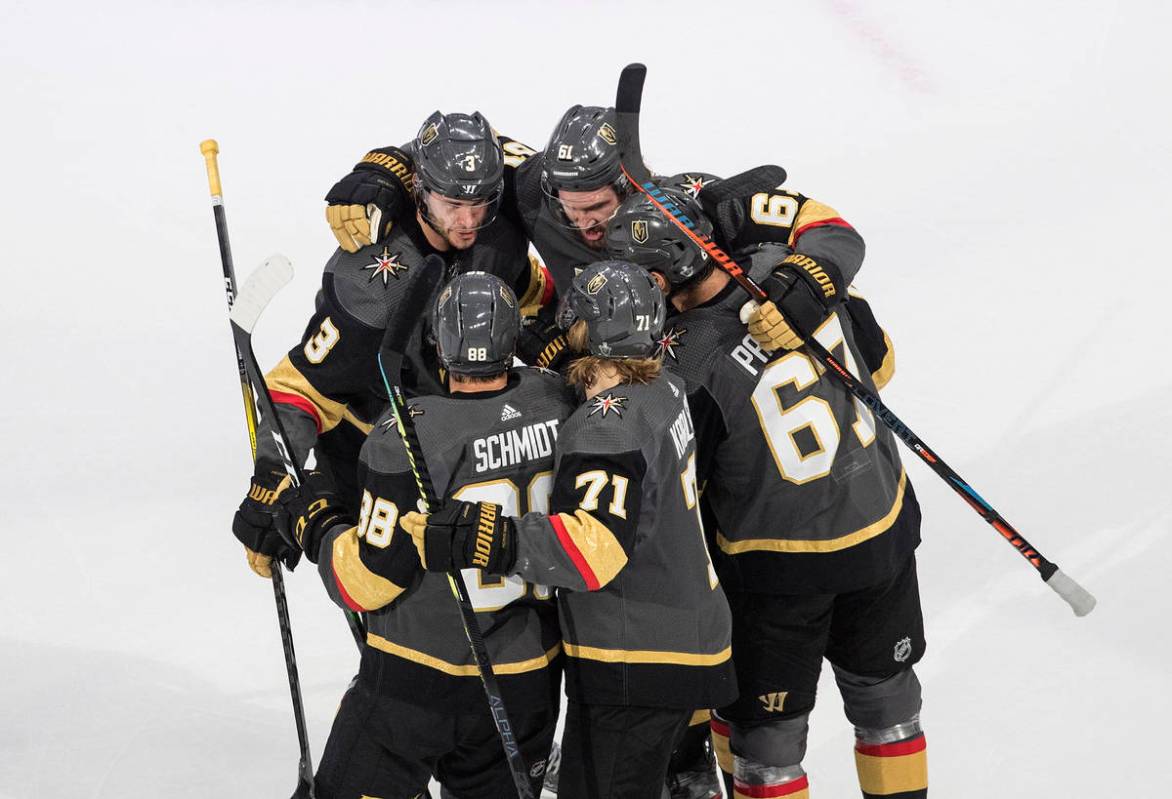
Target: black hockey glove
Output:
[(254, 524), (461, 535), (308, 512), (801, 293), (542, 342), (364, 205)]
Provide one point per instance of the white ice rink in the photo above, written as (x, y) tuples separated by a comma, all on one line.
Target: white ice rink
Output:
[(1007, 162)]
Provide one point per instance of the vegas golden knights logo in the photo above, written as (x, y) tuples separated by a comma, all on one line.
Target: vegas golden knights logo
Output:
[(639, 231), (608, 134), (595, 285), (774, 702), (428, 134)]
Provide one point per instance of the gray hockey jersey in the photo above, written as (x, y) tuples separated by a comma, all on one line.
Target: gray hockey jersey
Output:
[(643, 617), (489, 446)]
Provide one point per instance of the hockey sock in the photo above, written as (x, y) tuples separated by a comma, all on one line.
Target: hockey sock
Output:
[(895, 770)]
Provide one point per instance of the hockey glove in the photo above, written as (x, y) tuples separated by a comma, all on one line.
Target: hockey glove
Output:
[(308, 512), (542, 343), (461, 535), (364, 205), (254, 524), (801, 293)]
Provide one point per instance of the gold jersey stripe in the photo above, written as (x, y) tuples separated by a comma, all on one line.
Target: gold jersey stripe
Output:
[(365, 427), (811, 211), (363, 586), (531, 301), (884, 775), (882, 376), (460, 669), (827, 545), (700, 717), (646, 656), (285, 377)]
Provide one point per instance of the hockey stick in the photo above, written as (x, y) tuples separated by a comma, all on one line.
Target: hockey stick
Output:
[(396, 339), (210, 149), (627, 103), (250, 374)]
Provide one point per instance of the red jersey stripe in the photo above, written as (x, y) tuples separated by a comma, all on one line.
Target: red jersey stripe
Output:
[(297, 401), (575, 554), (837, 221)]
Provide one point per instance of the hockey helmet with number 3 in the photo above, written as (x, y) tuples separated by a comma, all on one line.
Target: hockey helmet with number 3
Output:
[(459, 157), (641, 233), (622, 307), (475, 323)]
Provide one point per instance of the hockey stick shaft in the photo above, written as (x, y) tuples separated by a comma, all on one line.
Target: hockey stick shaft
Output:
[(628, 101), (398, 338), (210, 150)]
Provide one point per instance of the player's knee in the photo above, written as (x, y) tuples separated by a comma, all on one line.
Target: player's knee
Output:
[(881, 707), (777, 744)]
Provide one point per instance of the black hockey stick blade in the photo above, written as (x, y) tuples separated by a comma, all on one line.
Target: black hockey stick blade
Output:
[(628, 100), (766, 178), (398, 335)]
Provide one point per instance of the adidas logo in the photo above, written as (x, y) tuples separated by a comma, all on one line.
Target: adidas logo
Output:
[(509, 412)]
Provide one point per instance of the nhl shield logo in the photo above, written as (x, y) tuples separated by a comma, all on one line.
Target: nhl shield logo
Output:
[(639, 231), (903, 650)]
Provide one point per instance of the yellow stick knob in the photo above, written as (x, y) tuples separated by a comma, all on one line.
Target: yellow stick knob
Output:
[(211, 150)]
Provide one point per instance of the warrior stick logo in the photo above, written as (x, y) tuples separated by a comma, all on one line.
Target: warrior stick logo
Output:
[(386, 266)]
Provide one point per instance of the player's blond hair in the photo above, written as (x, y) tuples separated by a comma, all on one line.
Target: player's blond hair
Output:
[(584, 370)]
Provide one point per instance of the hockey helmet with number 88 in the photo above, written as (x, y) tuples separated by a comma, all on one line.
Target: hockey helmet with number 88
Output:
[(475, 324), (622, 307)]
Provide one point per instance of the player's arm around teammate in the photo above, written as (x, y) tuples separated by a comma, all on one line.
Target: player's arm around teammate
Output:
[(417, 708), (644, 621)]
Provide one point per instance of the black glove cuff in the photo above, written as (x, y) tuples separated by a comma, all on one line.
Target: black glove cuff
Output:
[(321, 524), (822, 277)]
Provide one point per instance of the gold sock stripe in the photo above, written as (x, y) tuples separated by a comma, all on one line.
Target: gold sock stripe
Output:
[(880, 774)]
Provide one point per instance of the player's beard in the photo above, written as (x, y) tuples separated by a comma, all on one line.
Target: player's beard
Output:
[(460, 239)]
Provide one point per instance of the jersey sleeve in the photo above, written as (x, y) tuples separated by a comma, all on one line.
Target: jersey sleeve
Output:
[(367, 566), (808, 227), (590, 532), (331, 367)]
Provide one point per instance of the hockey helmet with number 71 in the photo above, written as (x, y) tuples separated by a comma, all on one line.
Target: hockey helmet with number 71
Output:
[(622, 307)]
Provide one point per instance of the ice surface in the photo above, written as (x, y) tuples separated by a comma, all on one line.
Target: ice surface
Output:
[(1007, 162)]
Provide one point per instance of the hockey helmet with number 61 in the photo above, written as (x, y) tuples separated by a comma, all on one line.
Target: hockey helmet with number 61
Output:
[(475, 323), (622, 307)]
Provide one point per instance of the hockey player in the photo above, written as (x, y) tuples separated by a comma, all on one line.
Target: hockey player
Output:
[(327, 388), (813, 513), (417, 708), (563, 196), (644, 621)]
